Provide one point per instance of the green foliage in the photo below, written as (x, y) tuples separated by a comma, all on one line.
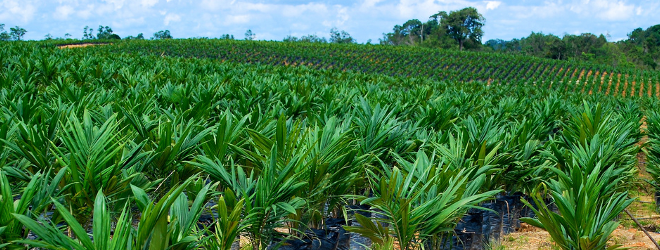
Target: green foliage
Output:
[(414, 63), (462, 25), (588, 204), (229, 225), (4, 36), (106, 33), (249, 35), (340, 37), (89, 136), (307, 39), (163, 34), (422, 202), (17, 33)]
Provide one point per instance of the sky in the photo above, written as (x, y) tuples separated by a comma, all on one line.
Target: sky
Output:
[(363, 19)]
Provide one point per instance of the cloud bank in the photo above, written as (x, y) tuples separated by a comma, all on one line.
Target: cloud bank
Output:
[(275, 19)]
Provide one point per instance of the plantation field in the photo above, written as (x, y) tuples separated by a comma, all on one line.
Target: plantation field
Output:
[(435, 64), (184, 145)]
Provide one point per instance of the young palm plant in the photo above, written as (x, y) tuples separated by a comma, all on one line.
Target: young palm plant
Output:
[(229, 224), (28, 204), (166, 224), (588, 204), (422, 201), (270, 195), (96, 158)]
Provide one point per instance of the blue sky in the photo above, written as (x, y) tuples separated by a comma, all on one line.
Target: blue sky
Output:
[(363, 19)]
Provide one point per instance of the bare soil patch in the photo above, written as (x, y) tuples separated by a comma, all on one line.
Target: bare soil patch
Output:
[(66, 46)]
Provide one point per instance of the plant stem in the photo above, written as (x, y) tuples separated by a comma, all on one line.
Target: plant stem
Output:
[(640, 226)]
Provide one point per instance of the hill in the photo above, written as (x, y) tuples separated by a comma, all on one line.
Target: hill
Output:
[(436, 64)]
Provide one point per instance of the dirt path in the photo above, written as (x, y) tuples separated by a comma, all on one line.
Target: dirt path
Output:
[(538, 239), (81, 45), (609, 85)]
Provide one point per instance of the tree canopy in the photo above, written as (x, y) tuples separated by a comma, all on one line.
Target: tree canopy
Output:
[(163, 34), (17, 33), (4, 36), (106, 33), (340, 37), (462, 25)]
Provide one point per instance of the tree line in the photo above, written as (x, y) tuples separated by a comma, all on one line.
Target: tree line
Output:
[(15, 33), (462, 29)]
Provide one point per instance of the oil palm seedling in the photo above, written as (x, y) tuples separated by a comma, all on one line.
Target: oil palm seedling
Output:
[(229, 225), (161, 226), (127, 146), (422, 202), (33, 201), (96, 158), (588, 204)]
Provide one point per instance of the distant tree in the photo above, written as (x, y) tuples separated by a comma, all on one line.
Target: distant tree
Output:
[(249, 35), (48, 37), (313, 39), (163, 34), (67, 36), (496, 44), (227, 37), (17, 33), (4, 36), (88, 33), (290, 38), (415, 32), (138, 37), (308, 39), (340, 37), (462, 25), (106, 33)]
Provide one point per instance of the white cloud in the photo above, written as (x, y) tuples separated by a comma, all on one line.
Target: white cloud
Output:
[(87, 12), (114, 4), (216, 4), (613, 11), (237, 19), (171, 18), (298, 10), (491, 5), (13, 10), (149, 3), (63, 12)]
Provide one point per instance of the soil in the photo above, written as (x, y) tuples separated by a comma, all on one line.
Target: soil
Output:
[(80, 45), (535, 238), (609, 84), (625, 87)]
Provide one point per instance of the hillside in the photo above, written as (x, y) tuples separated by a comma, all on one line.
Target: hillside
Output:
[(436, 64)]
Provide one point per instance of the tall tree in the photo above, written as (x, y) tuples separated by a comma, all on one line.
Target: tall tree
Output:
[(4, 36), (463, 25), (340, 37), (17, 33), (163, 34), (249, 35), (88, 33), (106, 33)]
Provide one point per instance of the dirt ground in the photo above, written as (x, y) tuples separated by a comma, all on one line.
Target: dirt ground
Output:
[(627, 234), (535, 238), (79, 45)]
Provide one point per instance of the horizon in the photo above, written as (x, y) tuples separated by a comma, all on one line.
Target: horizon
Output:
[(363, 19)]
